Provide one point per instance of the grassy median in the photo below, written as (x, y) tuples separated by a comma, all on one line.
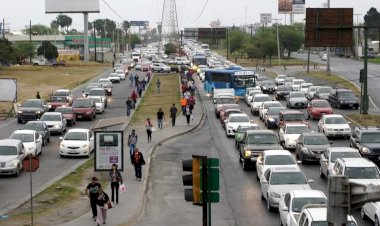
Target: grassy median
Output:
[(365, 120)]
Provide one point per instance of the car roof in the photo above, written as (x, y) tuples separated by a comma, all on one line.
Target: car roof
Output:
[(313, 134), (276, 152), (78, 130), (318, 100), (287, 111), (296, 124), (238, 114), (307, 193), (286, 169), (271, 101), (317, 213), (333, 116), (35, 121), (52, 113), (10, 142), (260, 131), (342, 149), (24, 131), (357, 162), (62, 90)]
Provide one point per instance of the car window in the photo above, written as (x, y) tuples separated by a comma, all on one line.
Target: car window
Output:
[(362, 173), (278, 178), (75, 136), (297, 129), (302, 217), (262, 139), (298, 203), (316, 140), (23, 137), (8, 150), (50, 118), (335, 155), (242, 118), (370, 138), (287, 200), (279, 160), (335, 120)]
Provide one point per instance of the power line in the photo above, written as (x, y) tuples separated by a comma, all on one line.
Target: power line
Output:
[(113, 10), (201, 11)]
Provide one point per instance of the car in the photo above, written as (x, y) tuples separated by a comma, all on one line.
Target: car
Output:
[(84, 108), (310, 146), (225, 107), (249, 96), (277, 181), (234, 120), (227, 113), (64, 93), (305, 87), (160, 67), (328, 158), (12, 153), (341, 98), (310, 92), (274, 158), (31, 109), (280, 79), (221, 101), (296, 84), (98, 92), (271, 116), (322, 92), (367, 141), (296, 99), (316, 108), (290, 132), (68, 114), (99, 105), (42, 129), (239, 134), (371, 211), (31, 140), (120, 73), (268, 86), (265, 106), (282, 91), (106, 84), (57, 101), (289, 80), (114, 78), (145, 66), (290, 116), (88, 88), (324, 57), (77, 142), (334, 125), (291, 204), (257, 102), (55, 122), (253, 143)]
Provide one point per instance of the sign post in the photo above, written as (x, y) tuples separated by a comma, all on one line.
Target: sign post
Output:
[(108, 150)]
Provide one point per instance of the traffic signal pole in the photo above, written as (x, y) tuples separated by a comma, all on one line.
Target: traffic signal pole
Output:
[(204, 192), (365, 74)]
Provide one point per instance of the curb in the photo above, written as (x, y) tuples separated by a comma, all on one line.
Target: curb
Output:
[(351, 120)]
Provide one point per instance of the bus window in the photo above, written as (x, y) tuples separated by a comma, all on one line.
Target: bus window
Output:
[(220, 77), (244, 81)]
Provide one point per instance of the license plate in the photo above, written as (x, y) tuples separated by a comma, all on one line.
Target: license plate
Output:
[(72, 152), (79, 116), (350, 105)]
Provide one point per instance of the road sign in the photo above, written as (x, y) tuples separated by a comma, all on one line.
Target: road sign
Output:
[(109, 149), (265, 18), (205, 33), (139, 23)]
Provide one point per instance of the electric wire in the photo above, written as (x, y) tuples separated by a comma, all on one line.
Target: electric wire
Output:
[(113, 10), (201, 11)]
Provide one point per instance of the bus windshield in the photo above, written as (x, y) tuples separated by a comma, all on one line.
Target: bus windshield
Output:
[(244, 81)]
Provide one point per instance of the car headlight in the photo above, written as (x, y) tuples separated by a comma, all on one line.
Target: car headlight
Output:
[(274, 195), (49, 106), (63, 145), (20, 112), (88, 112), (271, 119), (57, 126), (347, 129), (365, 150), (85, 146), (265, 87), (38, 112), (14, 163), (247, 153)]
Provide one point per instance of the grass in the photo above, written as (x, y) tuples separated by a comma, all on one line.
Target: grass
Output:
[(365, 120), (375, 60), (152, 101)]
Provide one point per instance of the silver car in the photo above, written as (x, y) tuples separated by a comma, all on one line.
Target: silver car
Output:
[(11, 155), (55, 122), (296, 100)]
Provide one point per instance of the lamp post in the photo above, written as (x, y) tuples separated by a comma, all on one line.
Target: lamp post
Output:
[(278, 42)]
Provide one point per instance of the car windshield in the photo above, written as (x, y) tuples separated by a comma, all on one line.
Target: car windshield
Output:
[(294, 117), (82, 104), (253, 92), (304, 86), (34, 126), (325, 223), (335, 120), (272, 104), (279, 160), (245, 128), (281, 77), (321, 104), (284, 88), (8, 150), (346, 95), (297, 129), (296, 95), (262, 139), (267, 82), (275, 110), (362, 173), (23, 137), (297, 82), (50, 118), (315, 140), (262, 99), (239, 118), (76, 136), (278, 178), (370, 138), (57, 99), (324, 90), (96, 92), (335, 155), (64, 110), (96, 100), (313, 89), (32, 103), (298, 203), (61, 93), (225, 100)]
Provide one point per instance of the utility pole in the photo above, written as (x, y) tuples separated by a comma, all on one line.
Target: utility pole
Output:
[(365, 77), (228, 42), (30, 40), (278, 42), (3, 30), (102, 41), (328, 48), (95, 42)]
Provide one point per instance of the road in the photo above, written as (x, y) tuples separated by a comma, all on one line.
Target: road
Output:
[(241, 202), (14, 191), (349, 69)]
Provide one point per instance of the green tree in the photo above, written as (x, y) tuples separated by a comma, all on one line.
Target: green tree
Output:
[(105, 27), (64, 21), (170, 48), (48, 50), (125, 25), (291, 39), (39, 29), (135, 39), (24, 50), (372, 19), (7, 54), (236, 40)]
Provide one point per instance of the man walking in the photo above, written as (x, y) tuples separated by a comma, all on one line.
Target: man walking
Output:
[(129, 106), (160, 118), (137, 160), (92, 194), (132, 141), (173, 114), (158, 85), (134, 99), (183, 103)]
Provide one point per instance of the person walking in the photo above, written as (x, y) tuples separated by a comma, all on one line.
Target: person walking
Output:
[(92, 194), (134, 99), (136, 80), (173, 114), (38, 95), (160, 118), (187, 114), (132, 141), (131, 79), (102, 200), (158, 85), (149, 127), (191, 103), (140, 88), (116, 180), (129, 106), (183, 103), (137, 160)]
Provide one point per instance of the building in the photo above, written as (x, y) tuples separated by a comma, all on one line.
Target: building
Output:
[(215, 24)]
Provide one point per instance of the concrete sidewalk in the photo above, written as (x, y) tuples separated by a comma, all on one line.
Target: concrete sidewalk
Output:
[(131, 203)]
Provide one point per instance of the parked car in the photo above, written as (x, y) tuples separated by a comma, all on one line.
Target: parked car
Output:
[(334, 126), (341, 98), (57, 101), (367, 141), (68, 114), (274, 158), (42, 129), (265, 106), (331, 154), (296, 99), (234, 120), (322, 92), (31, 140), (290, 132), (12, 153), (310, 146), (84, 108), (282, 92), (239, 134), (271, 116), (31, 109), (257, 102), (77, 142), (316, 108)]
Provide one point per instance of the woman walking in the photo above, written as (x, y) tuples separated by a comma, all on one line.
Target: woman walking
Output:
[(149, 126), (187, 114), (102, 206), (116, 180)]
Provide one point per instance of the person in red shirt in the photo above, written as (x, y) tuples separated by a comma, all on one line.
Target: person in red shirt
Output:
[(134, 99)]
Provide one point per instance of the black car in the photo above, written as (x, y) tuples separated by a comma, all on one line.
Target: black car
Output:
[(367, 141), (282, 91), (31, 109), (343, 98), (41, 128), (268, 86)]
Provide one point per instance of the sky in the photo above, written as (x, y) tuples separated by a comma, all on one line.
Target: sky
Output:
[(18, 13)]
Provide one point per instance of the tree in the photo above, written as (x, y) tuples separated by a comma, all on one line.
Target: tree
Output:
[(64, 22), (372, 19), (236, 40), (125, 25), (269, 48), (291, 39), (39, 29), (105, 27), (6, 52), (24, 50), (170, 48), (73, 32), (48, 50), (135, 39)]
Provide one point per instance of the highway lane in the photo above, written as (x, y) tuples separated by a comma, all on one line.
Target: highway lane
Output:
[(15, 190)]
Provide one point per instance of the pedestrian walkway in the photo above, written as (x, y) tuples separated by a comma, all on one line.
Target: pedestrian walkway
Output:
[(131, 203)]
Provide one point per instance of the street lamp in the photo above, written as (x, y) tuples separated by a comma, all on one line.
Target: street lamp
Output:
[(278, 42)]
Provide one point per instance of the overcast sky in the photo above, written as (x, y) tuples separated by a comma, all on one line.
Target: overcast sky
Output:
[(17, 13)]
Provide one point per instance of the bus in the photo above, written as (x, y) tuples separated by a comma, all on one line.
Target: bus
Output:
[(239, 80), (199, 59)]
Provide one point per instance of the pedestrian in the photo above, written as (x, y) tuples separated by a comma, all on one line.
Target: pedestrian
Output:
[(137, 160), (183, 103), (158, 85), (187, 114), (116, 180), (134, 99), (131, 79), (160, 118), (173, 114), (113, 63), (92, 194), (149, 128), (129, 106), (132, 141), (139, 89), (38, 95), (191, 103), (102, 200), (136, 80)]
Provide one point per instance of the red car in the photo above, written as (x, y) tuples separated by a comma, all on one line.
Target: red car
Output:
[(84, 108), (68, 114), (57, 101), (316, 108)]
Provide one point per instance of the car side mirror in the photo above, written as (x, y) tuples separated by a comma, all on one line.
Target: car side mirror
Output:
[(285, 208), (61, 138), (325, 160), (310, 181), (299, 162)]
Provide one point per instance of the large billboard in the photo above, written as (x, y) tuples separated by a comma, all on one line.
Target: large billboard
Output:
[(285, 6), (8, 90), (72, 6), (139, 23)]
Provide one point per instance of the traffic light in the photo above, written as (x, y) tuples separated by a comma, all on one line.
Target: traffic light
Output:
[(192, 165), (361, 78)]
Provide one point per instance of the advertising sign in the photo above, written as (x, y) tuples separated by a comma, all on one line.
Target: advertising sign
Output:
[(8, 91), (108, 150), (285, 6), (298, 6), (139, 23), (72, 6), (265, 18)]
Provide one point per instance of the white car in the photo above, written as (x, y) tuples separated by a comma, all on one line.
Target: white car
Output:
[(329, 157), (292, 203), (64, 93), (266, 105), (310, 92), (99, 105), (257, 101), (11, 155), (305, 87), (276, 182), (77, 142), (274, 158), (248, 98), (371, 211), (280, 79), (160, 67), (296, 84), (114, 78), (31, 140), (234, 120), (290, 133), (334, 125), (98, 92), (55, 121), (121, 74)]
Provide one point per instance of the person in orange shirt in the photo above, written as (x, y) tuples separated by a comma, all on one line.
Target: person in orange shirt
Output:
[(183, 103)]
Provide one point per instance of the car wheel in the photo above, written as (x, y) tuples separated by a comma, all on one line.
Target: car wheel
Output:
[(321, 173), (48, 139), (377, 223), (17, 171), (262, 196), (43, 142), (89, 154), (269, 207), (245, 167), (362, 214), (62, 156)]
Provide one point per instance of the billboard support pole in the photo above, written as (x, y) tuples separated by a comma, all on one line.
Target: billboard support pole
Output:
[(328, 48), (86, 56)]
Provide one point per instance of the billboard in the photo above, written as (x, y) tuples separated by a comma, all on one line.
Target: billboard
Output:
[(265, 18), (109, 150), (285, 6), (72, 6), (298, 7), (139, 23), (8, 90)]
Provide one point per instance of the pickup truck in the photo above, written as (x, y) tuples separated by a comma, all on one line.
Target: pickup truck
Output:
[(46, 62)]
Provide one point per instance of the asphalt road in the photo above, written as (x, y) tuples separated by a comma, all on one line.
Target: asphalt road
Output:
[(241, 202), (14, 190), (349, 69)]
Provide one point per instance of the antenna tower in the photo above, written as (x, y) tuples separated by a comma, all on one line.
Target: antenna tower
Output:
[(169, 30)]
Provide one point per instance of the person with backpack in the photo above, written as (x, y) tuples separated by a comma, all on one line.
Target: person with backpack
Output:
[(149, 127), (132, 141), (137, 160), (191, 103), (173, 114)]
